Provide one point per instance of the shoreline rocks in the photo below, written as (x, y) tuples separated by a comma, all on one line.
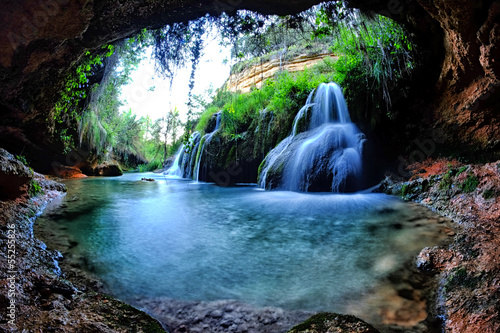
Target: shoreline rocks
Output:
[(468, 269)]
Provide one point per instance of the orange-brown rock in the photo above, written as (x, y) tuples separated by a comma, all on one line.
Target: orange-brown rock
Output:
[(255, 75), (469, 267)]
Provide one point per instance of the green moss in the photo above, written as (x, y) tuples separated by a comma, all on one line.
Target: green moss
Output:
[(462, 169), (405, 190), (260, 167), (446, 181), (489, 193), (198, 154), (231, 156), (470, 184), (324, 322), (460, 278)]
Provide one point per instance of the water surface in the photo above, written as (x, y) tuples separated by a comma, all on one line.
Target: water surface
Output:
[(195, 241)]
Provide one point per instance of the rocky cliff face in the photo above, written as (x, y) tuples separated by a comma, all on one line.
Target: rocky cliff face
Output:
[(463, 37), (254, 76), (469, 83)]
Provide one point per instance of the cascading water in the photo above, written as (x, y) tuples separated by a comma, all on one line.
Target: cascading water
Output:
[(205, 141), (188, 159), (324, 151), (176, 168)]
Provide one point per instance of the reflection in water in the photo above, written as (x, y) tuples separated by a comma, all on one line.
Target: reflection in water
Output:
[(196, 241)]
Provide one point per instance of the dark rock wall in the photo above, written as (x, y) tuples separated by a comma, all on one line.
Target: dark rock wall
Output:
[(469, 84)]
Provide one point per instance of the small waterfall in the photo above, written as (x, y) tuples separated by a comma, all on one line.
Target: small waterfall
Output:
[(324, 151), (176, 168), (188, 159), (205, 141)]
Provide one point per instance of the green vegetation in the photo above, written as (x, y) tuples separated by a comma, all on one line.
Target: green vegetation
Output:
[(88, 114), (489, 193), (470, 184), (459, 277), (375, 59), (74, 94), (34, 188), (22, 159), (325, 322), (405, 189), (284, 96), (446, 181), (462, 169)]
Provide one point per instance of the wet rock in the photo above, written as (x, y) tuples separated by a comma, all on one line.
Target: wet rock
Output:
[(333, 322), (110, 169), (14, 176), (468, 266), (219, 316)]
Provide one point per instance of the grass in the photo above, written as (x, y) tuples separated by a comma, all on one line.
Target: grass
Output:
[(283, 95)]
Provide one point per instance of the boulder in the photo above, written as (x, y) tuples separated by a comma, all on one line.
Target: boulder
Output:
[(333, 322), (14, 175)]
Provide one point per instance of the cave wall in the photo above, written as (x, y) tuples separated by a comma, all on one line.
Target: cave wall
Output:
[(40, 41), (468, 88), (460, 38)]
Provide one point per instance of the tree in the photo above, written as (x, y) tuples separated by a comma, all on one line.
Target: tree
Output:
[(171, 124)]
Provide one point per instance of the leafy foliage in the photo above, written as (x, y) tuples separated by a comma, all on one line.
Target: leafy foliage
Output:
[(375, 59), (177, 44), (101, 126), (283, 95), (34, 188), (75, 93)]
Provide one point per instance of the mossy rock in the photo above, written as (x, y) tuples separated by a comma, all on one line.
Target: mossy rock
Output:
[(333, 322), (461, 278), (470, 184), (121, 316)]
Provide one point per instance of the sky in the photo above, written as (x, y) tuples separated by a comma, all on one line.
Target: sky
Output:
[(156, 102)]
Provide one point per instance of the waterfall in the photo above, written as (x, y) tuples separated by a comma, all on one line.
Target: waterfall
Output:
[(188, 159), (204, 141), (324, 151), (176, 168)]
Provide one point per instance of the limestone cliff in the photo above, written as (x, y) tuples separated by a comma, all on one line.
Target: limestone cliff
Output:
[(256, 75)]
